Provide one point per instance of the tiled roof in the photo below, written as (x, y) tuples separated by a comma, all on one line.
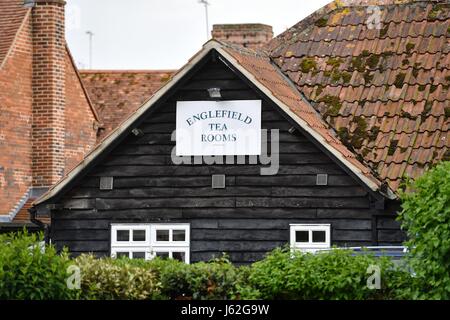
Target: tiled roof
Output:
[(117, 94), (23, 216), (12, 13), (385, 90), (260, 66), (264, 74)]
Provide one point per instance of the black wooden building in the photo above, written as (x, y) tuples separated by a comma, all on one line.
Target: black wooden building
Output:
[(127, 197)]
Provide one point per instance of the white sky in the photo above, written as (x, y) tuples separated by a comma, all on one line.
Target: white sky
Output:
[(164, 34)]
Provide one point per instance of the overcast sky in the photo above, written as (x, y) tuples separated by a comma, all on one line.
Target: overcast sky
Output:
[(164, 34)]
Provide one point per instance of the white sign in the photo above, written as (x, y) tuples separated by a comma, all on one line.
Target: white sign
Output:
[(212, 128)]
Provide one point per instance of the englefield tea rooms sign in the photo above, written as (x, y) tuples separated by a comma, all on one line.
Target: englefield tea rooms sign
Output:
[(210, 128)]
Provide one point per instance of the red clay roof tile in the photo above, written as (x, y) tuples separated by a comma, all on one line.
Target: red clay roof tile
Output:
[(116, 94), (12, 14), (261, 67), (394, 81)]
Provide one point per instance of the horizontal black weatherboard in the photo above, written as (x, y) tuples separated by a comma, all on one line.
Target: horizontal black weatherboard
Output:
[(246, 219)]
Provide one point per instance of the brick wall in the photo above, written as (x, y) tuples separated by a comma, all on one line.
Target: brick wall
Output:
[(248, 34), (49, 91), (81, 125), (46, 122), (15, 121)]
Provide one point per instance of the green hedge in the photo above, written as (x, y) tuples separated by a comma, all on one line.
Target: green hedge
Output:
[(333, 275), (426, 219), (107, 279), (29, 272), (217, 279)]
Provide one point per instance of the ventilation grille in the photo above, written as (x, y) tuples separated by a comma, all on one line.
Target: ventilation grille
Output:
[(218, 181), (322, 179), (106, 183)]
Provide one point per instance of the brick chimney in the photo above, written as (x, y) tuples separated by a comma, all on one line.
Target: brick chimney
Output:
[(48, 133), (250, 35)]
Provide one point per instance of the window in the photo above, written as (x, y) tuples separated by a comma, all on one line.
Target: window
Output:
[(170, 241), (310, 237), (146, 241), (130, 241)]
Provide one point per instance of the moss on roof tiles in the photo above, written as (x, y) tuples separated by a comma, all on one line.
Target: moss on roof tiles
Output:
[(322, 22), (399, 80), (333, 103), (357, 64), (360, 132), (392, 147), (392, 62), (368, 77), (447, 112), (435, 12), (384, 30), (335, 62), (410, 47), (373, 60), (308, 64)]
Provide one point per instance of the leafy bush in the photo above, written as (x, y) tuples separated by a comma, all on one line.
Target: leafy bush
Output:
[(216, 279), (31, 271), (426, 217), (108, 279), (26, 272), (330, 275)]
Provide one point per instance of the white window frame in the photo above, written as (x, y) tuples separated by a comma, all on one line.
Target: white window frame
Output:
[(170, 246), (310, 246), (170, 228), (129, 227), (130, 250), (150, 246)]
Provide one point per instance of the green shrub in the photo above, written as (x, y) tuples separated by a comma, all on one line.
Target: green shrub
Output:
[(216, 279), (426, 218), (108, 279), (30, 271), (329, 275)]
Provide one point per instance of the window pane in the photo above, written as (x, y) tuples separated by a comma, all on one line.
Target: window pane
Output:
[(318, 236), (178, 235), (138, 235), (301, 236), (122, 254), (163, 255), (138, 255), (123, 235), (178, 256), (162, 235)]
